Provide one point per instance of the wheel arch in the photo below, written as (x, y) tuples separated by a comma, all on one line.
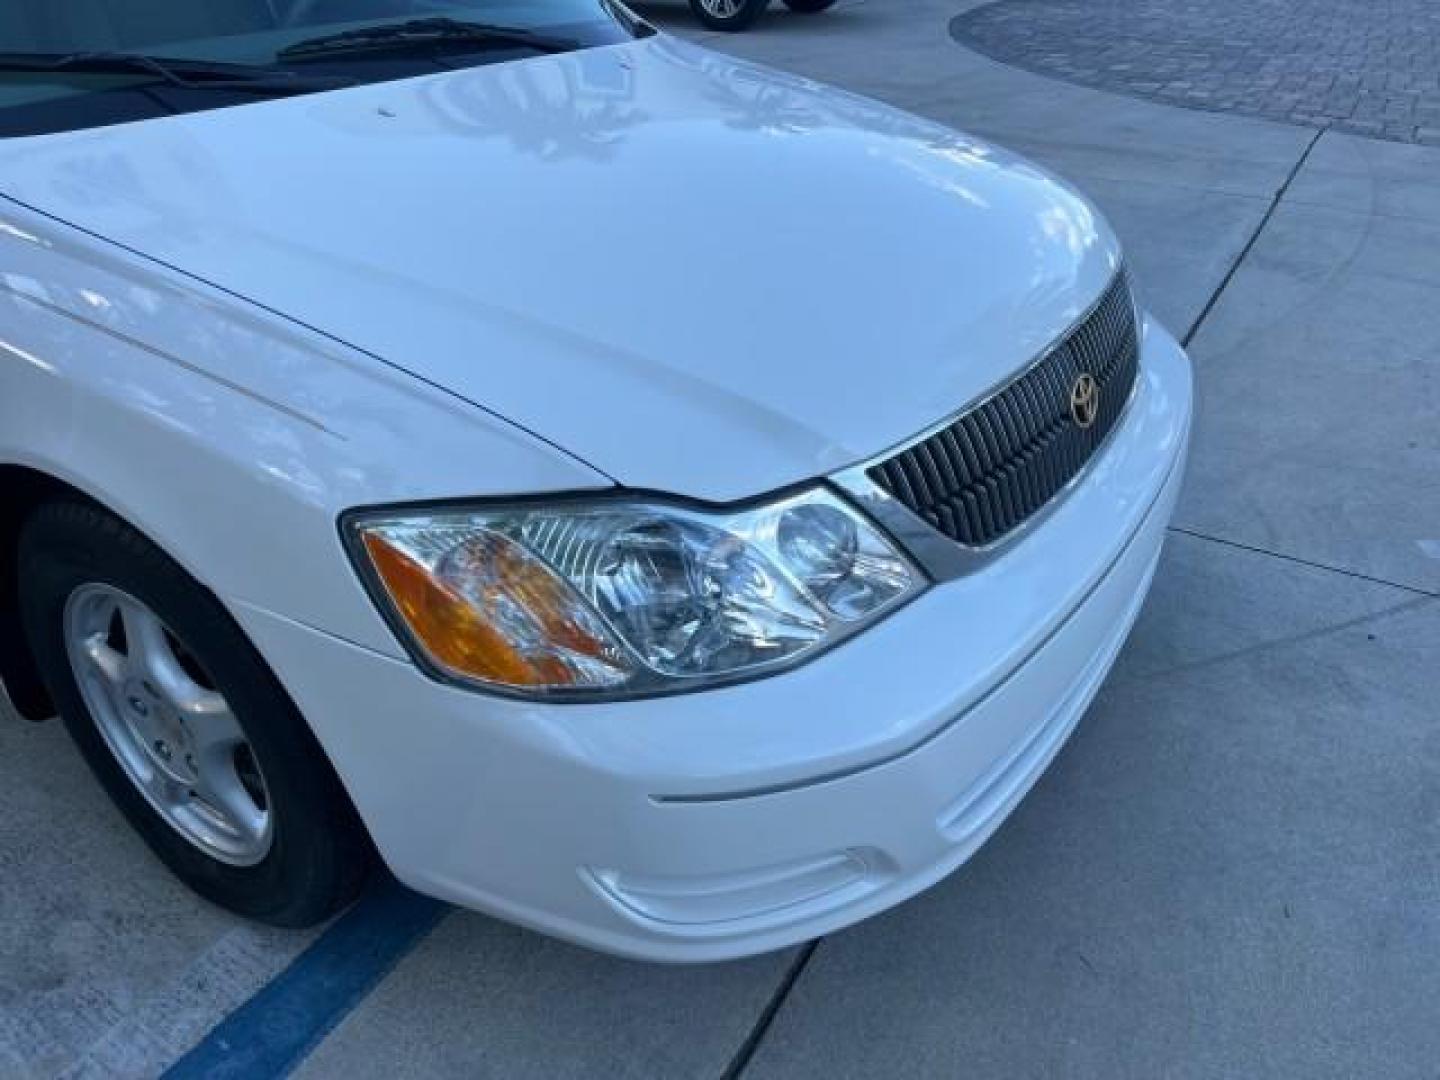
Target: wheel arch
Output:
[(22, 489)]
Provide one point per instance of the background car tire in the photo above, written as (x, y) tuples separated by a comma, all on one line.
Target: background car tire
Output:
[(728, 15), (809, 7), (316, 854)]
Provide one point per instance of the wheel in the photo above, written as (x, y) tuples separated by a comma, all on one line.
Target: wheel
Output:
[(728, 14), (183, 723), (809, 7)]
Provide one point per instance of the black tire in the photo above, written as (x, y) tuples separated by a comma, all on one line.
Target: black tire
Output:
[(319, 854), (743, 18), (809, 7)]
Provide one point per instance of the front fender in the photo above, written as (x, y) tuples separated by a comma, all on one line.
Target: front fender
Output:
[(231, 436)]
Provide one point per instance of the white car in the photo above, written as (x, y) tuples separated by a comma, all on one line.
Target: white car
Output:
[(654, 499)]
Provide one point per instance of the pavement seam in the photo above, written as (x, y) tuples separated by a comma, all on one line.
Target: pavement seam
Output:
[(1317, 634), (1340, 570), (1383, 215), (741, 1061), (1244, 254)]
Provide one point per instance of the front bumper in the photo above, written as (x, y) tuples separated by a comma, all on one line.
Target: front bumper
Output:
[(744, 819)]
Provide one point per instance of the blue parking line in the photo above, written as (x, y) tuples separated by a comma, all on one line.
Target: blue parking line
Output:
[(272, 1033)]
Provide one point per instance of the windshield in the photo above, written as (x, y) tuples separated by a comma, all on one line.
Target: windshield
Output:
[(68, 64)]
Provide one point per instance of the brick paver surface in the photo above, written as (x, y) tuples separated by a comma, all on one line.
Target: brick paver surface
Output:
[(1371, 67)]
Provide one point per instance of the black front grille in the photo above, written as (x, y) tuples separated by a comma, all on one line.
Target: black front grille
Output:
[(987, 472)]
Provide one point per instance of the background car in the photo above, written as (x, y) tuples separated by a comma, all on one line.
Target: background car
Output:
[(740, 14)]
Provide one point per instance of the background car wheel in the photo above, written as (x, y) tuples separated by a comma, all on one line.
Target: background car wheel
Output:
[(809, 7), (728, 14), (184, 724)]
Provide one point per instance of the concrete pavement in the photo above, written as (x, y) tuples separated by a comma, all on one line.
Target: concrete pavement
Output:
[(1232, 869), (108, 966), (1230, 872)]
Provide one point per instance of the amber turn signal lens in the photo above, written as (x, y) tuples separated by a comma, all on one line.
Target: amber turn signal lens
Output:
[(493, 613)]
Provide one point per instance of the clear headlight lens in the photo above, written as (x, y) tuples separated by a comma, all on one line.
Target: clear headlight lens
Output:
[(621, 597)]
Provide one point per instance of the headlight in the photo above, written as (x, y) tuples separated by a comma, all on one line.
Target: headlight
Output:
[(622, 597)]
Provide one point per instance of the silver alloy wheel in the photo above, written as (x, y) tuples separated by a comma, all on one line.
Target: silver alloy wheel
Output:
[(174, 736), (722, 9)]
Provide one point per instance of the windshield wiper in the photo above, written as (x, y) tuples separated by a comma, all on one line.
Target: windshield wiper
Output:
[(423, 32), (189, 74)]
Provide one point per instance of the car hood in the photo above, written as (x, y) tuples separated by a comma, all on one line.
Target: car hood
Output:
[(695, 274)]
